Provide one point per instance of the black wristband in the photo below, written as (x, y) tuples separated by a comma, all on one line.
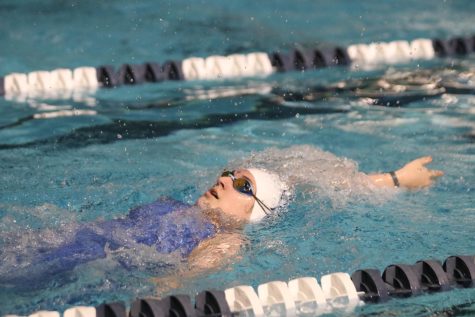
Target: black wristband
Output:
[(394, 177)]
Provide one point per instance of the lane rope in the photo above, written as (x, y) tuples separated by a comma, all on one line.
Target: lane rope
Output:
[(49, 83), (299, 297)]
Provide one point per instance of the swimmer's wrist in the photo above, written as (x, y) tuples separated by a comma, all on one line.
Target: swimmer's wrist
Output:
[(394, 178)]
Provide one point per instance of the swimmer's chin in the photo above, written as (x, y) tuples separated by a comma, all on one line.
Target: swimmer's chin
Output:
[(202, 203)]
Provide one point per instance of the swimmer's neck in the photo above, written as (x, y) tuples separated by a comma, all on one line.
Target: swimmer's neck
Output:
[(221, 220)]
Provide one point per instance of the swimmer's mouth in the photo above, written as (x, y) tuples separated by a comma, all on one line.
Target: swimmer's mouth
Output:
[(214, 193)]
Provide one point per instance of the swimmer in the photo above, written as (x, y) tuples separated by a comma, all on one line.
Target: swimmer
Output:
[(208, 234), (249, 195)]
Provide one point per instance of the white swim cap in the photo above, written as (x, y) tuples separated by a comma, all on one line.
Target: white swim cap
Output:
[(269, 190)]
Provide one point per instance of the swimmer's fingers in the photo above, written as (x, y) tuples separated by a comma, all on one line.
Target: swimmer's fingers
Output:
[(419, 163), (424, 160), (436, 173)]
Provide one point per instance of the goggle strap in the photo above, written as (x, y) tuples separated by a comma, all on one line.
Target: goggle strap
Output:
[(266, 209)]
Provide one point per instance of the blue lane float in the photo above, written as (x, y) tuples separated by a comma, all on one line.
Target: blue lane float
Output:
[(303, 296), (116, 309), (461, 270), (431, 276), (49, 83)]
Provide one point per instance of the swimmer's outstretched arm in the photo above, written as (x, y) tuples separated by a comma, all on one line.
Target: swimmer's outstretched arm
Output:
[(412, 175)]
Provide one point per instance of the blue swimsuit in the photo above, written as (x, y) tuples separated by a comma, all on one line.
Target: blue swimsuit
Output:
[(166, 224)]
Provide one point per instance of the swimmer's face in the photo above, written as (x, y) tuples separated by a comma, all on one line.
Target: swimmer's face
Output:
[(223, 196)]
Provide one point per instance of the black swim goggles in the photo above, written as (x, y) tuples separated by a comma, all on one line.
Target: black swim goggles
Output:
[(244, 186)]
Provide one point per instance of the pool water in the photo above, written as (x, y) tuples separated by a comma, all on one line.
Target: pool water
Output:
[(131, 145)]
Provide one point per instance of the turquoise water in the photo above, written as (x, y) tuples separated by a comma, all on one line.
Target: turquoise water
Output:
[(171, 139)]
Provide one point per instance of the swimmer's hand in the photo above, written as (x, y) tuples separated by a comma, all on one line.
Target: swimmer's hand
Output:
[(413, 175)]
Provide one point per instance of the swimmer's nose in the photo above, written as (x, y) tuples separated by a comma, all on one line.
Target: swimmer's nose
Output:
[(224, 182)]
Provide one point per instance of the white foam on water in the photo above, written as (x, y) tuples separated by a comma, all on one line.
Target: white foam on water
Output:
[(317, 175)]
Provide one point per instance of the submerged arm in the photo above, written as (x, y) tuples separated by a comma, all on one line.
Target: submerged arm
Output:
[(412, 175), (209, 255), (215, 252)]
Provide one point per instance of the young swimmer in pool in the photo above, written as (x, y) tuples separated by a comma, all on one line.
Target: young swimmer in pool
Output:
[(249, 195), (207, 234)]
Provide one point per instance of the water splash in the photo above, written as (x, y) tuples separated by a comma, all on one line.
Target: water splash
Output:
[(318, 175)]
